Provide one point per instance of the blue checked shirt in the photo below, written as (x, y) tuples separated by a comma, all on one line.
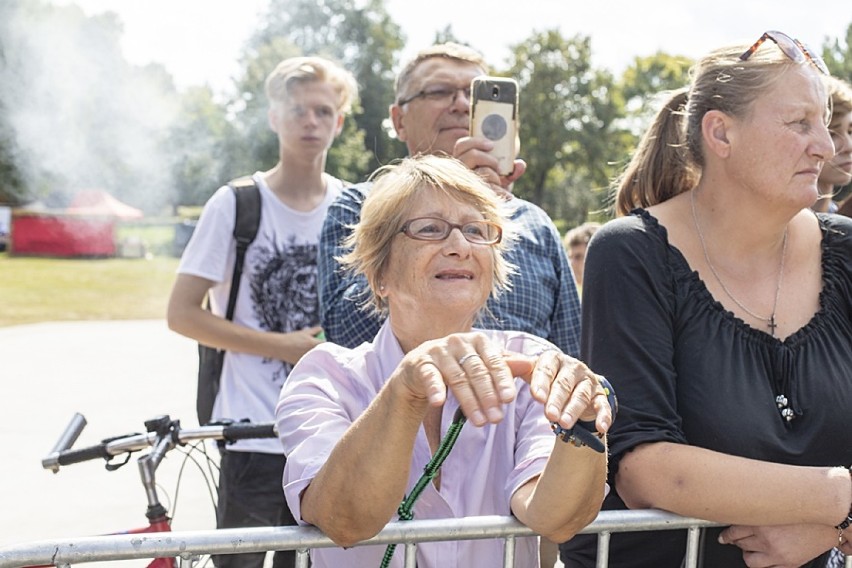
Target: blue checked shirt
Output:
[(543, 299)]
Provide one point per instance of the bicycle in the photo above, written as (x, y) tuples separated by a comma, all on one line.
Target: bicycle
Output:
[(162, 435)]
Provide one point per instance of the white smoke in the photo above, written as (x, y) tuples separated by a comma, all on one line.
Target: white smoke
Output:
[(78, 115)]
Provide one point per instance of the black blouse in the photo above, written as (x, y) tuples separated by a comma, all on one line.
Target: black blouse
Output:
[(686, 370)]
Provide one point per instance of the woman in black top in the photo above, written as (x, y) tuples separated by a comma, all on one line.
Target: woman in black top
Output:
[(720, 309)]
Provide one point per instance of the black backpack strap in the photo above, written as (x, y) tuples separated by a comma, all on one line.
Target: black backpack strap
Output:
[(245, 230)]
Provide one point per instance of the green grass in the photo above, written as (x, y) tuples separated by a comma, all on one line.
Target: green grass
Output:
[(53, 289), (157, 235)]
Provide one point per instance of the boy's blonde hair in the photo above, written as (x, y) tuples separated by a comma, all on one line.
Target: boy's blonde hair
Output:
[(311, 68)]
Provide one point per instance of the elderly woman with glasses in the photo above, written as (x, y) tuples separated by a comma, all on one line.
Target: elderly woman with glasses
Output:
[(359, 425), (720, 307)]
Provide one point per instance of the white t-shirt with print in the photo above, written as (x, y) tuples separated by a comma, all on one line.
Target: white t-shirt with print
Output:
[(278, 292)]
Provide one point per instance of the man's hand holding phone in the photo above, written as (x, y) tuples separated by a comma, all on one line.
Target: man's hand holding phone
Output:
[(491, 149), (475, 153)]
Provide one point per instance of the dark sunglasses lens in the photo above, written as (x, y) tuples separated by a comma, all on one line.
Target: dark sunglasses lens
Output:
[(788, 46), (816, 58)]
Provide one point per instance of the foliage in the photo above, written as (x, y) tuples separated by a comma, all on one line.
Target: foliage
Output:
[(645, 79), (447, 35), (82, 116), (199, 140), (569, 124), (838, 55)]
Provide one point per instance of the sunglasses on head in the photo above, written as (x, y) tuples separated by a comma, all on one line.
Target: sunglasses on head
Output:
[(792, 48)]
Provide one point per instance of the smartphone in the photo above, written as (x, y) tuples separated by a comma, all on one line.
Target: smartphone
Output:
[(494, 115)]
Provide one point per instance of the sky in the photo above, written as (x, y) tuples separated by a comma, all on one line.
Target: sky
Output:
[(198, 41)]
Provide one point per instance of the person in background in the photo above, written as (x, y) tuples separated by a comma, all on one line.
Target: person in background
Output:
[(721, 310), (431, 115), (575, 242), (837, 172), (359, 425), (277, 315)]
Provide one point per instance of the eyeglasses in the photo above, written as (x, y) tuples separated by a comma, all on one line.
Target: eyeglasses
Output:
[(792, 48), (445, 94), (437, 229)]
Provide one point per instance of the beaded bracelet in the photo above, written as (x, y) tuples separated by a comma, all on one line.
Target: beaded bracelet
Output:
[(847, 522), (582, 434)]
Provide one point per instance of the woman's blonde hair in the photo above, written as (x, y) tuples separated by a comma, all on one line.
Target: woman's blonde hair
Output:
[(670, 155), (389, 204)]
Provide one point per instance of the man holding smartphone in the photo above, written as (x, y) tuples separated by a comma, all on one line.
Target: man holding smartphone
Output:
[(431, 115)]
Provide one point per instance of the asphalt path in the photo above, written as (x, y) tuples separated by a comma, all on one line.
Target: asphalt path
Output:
[(117, 374)]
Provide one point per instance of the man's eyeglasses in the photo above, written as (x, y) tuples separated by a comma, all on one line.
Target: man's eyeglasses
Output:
[(437, 229), (792, 48), (445, 94)]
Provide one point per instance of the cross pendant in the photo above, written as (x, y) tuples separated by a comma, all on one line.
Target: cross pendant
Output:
[(772, 325)]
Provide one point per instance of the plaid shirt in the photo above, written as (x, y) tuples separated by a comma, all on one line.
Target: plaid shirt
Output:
[(543, 299)]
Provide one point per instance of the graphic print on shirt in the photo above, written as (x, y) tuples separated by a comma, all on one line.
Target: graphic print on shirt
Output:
[(284, 292)]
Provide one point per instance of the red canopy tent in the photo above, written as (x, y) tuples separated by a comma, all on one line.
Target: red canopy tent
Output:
[(99, 202), (86, 228)]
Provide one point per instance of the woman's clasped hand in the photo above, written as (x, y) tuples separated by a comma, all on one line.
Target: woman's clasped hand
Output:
[(482, 378)]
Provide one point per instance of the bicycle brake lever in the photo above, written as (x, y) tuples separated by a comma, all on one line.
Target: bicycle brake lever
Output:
[(112, 467)]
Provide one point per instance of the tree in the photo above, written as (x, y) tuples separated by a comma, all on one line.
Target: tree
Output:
[(447, 35), (838, 55), (569, 124), (645, 79), (11, 188), (199, 141)]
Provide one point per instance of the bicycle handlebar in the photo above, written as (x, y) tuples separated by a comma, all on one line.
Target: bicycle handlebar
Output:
[(66, 440), (159, 428)]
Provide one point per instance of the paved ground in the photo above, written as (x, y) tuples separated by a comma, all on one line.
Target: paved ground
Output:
[(117, 374)]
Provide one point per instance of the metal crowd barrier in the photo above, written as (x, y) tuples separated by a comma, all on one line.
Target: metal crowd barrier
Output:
[(187, 545)]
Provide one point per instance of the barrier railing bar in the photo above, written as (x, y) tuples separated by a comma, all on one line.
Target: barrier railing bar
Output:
[(693, 538), (410, 555), (603, 549), (186, 544), (509, 552)]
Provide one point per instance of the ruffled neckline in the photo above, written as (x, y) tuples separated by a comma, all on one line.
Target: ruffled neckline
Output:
[(831, 264)]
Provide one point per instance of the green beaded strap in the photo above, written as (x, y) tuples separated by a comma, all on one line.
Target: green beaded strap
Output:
[(430, 471)]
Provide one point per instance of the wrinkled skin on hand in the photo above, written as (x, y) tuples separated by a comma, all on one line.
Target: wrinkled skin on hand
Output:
[(782, 546), (481, 377)]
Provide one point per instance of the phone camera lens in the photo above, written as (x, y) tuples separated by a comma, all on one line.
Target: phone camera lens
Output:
[(495, 92)]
